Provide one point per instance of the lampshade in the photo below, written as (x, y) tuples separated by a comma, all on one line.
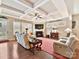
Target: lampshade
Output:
[(68, 30)]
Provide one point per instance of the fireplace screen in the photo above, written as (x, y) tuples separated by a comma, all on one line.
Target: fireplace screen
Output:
[(39, 33)]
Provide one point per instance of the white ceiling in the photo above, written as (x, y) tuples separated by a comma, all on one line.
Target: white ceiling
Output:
[(76, 7), (46, 9)]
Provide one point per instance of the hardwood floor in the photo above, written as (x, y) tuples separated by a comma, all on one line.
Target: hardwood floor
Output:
[(76, 53), (12, 50)]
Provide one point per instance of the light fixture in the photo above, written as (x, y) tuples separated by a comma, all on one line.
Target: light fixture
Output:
[(68, 30)]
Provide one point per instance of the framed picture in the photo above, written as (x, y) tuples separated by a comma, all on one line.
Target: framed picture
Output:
[(39, 26), (73, 24)]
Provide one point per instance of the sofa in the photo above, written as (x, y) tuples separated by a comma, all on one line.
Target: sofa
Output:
[(65, 46)]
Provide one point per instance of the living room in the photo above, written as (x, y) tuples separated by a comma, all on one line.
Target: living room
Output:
[(52, 25)]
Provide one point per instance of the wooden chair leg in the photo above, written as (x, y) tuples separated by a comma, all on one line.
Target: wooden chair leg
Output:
[(32, 50)]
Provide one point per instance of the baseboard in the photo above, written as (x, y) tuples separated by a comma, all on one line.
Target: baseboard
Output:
[(2, 41)]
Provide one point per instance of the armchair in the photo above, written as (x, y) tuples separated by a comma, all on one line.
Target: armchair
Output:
[(21, 41), (65, 46)]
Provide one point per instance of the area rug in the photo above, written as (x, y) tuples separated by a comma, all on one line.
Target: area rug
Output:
[(76, 54), (47, 46)]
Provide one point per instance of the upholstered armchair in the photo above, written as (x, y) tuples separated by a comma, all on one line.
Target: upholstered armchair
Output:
[(21, 41), (65, 46), (28, 42)]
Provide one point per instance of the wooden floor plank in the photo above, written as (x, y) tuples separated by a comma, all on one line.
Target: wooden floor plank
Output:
[(12, 50)]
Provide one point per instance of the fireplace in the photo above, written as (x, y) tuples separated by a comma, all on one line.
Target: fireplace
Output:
[(39, 33)]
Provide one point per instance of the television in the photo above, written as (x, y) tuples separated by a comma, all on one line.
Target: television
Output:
[(39, 26)]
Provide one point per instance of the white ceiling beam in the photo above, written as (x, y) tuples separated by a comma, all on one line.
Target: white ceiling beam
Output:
[(12, 8), (16, 18), (38, 4), (27, 2), (10, 12), (48, 15), (0, 7), (44, 11), (23, 4), (0, 2), (53, 13), (43, 2), (9, 16), (69, 4), (61, 6), (0, 10)]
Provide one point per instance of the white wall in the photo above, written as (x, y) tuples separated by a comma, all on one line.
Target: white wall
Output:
[(60, 25), (12, 25), (76, 29), (27, 25)]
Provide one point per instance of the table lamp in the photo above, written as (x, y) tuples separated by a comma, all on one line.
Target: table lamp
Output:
[(68, 30)]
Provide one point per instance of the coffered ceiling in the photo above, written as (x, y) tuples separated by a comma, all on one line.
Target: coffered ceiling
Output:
[(35, 9), (76, 7)]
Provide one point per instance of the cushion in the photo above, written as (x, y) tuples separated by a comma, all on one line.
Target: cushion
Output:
[(70, 41)]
